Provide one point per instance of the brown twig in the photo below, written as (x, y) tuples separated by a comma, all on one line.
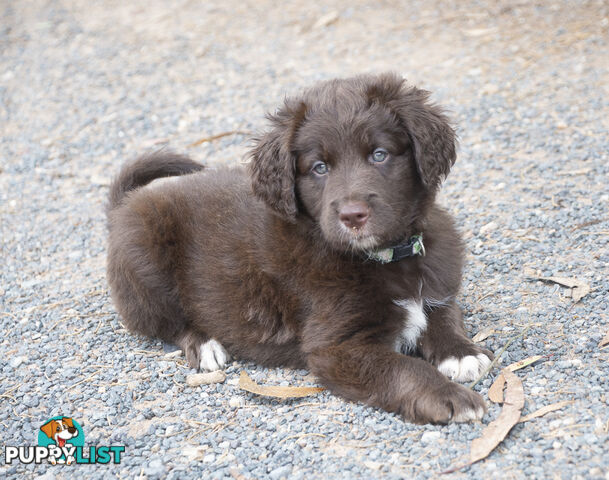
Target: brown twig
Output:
[(86, 379), (9, 390), (302, 435), (498, 356), (217, 136), (588, 224)]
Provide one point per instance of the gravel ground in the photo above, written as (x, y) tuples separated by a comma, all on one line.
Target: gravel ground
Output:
[(87, 85)]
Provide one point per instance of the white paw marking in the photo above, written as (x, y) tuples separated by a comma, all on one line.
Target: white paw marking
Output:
[(466, 369), (212, 355), (414, 325), (468, 415)]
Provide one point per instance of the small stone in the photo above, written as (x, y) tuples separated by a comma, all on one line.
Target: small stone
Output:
[(326, 20), (169, 348), (196, 379), (155, 467), (16, 361), (193, 453), (430, 437), (46, 476), (373, 465), (76, 254), (30, 401), (235, 402), (101, 180), (490, 89), (280, 472), (27, 284), (489, 227)]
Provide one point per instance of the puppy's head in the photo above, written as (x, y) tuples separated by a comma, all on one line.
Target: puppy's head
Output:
[(60, 430), (363, 157)]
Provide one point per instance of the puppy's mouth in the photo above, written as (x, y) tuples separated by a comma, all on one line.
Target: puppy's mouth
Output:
[(358, 239), (364, 243)]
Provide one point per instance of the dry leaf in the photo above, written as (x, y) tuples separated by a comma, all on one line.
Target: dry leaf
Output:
[(544, 410), (247, 384), (495, 392), (483, 335), (579, 292), (579, 288), (604, 341), (523, 363), (497, 430)]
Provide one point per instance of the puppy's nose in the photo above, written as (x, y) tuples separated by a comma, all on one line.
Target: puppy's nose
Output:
[(354, 215)]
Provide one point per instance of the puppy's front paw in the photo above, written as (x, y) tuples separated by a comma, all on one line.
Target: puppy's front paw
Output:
[(464, 369), (212, 356), (450, 403)]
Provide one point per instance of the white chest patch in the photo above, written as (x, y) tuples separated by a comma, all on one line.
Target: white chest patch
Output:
[(415, 323)]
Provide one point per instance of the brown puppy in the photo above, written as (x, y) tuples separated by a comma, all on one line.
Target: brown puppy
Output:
[(329, 255)]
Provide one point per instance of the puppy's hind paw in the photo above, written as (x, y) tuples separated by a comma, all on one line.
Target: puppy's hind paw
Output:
[(212, 356)]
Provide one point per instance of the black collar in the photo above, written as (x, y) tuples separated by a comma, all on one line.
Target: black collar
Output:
[(410, 248)]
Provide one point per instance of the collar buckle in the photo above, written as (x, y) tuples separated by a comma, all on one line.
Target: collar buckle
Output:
[(413, 247)]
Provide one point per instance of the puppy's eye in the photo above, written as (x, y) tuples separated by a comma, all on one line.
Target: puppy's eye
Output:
[(379, 155), (320, 168)]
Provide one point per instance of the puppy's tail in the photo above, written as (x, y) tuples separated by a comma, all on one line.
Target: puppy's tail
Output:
[(147, 168)]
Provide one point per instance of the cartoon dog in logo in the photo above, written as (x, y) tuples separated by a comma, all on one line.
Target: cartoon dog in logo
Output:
[(60, 431)]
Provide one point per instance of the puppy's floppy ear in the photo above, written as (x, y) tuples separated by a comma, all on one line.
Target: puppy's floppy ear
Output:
[(433, 139), (273, 165)]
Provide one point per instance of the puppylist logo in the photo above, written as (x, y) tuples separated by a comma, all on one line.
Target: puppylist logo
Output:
[(61, 440)]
